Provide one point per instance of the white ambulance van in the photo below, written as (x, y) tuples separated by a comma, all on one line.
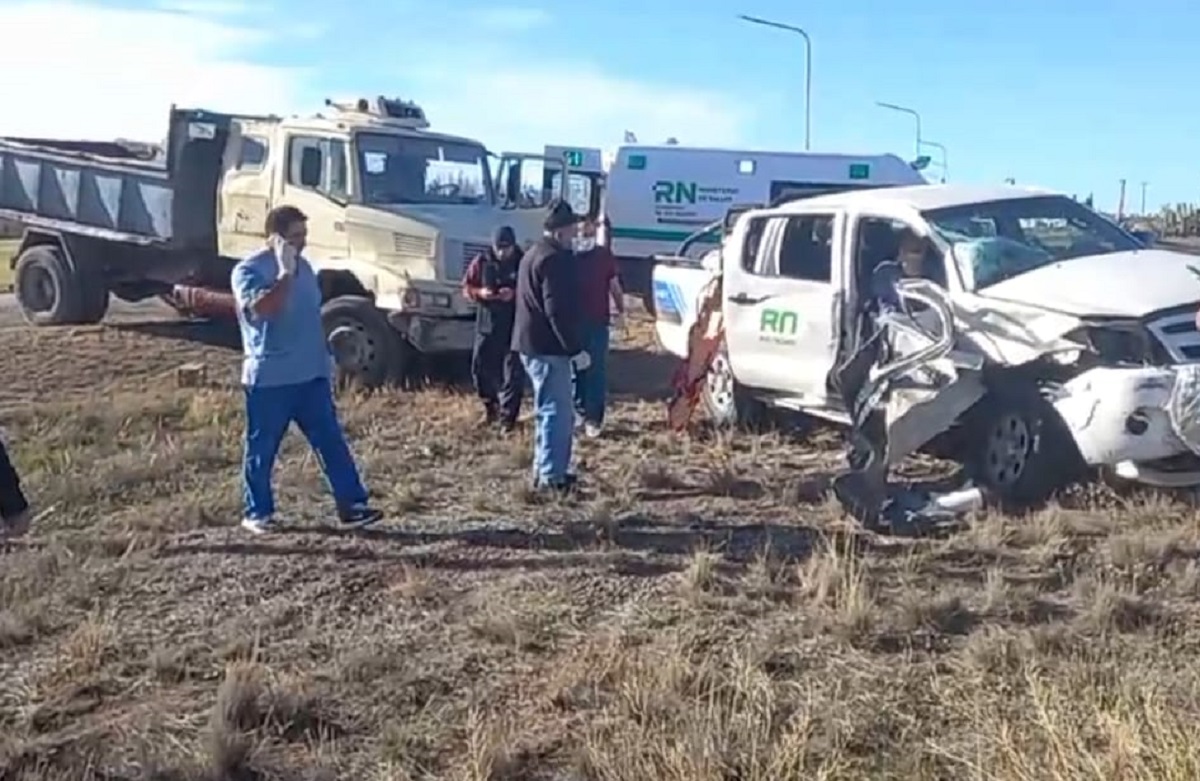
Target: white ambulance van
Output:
[(656, 196)]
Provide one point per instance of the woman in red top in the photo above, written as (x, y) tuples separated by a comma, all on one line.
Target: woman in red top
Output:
[(601, 298)]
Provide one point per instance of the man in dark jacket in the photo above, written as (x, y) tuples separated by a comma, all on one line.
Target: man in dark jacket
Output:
[(14, 508), (547, 334), (491, 282)]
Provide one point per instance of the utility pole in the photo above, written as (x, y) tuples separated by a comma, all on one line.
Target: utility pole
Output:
[(905, 110), (1144, 198), (807, 68), (1121, 202)]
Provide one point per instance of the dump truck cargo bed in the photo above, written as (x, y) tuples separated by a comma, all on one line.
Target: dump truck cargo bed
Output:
[(64, 187)]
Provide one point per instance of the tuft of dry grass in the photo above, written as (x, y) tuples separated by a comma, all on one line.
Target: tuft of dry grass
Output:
[(701, 611)]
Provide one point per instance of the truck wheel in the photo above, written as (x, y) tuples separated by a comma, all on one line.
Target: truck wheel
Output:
[(728, 404), (46, 289), (367, 349), (93, 299), (1020, 449)]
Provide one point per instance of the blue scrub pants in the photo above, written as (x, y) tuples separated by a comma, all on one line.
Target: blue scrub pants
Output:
[(269, 412)]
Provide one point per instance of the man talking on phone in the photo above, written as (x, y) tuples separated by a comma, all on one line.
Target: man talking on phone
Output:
[(287, 373), (491, 282)]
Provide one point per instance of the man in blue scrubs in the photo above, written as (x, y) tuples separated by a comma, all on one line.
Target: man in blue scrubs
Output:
[(287, 373)]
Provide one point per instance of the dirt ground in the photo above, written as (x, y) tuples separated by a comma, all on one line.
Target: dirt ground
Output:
[(703, 612)]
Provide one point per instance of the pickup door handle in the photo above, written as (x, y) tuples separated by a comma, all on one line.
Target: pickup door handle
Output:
[(742, 298)]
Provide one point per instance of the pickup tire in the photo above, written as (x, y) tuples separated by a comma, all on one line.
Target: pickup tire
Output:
[(728, 403), (1019, 448), (367, 349), (47, 291)]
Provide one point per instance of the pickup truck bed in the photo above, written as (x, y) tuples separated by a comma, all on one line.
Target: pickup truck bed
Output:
[(60, 185)]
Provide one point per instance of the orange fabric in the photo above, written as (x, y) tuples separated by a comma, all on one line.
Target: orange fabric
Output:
[(704, 340)]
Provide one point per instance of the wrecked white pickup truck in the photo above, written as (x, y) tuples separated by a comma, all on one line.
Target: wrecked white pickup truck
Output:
[(1041, 341)]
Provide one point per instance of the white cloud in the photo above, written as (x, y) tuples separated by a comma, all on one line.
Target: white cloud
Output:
[(115, 72), (517, 108)]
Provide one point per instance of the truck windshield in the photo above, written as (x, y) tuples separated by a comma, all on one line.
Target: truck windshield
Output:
[(396, 169), (997, 240)]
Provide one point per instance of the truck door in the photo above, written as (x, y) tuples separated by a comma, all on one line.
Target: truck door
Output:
[(781, 306), (245, 190), (316, 179)]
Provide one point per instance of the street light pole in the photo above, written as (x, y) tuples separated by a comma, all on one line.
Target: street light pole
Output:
[(910, 112), (945, 165), (807, 69)]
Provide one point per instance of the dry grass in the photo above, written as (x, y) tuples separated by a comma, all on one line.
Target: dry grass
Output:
[(702, 612), (8, 248)]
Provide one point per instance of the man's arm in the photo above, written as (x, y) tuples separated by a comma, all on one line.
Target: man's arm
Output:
[(615, 291), (472, 285), (560, 298), (258, 297)]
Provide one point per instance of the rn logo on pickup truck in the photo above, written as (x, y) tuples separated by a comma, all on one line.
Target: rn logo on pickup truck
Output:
[(778, 325)]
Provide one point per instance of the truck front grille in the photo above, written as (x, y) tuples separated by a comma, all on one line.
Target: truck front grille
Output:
[(407, 244)]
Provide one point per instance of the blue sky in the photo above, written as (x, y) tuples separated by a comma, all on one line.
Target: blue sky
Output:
[(1073, 98)]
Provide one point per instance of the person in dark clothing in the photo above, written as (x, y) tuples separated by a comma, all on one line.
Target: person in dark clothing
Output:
[(547, 333), (491, 282), (601, 297), (14, 507)]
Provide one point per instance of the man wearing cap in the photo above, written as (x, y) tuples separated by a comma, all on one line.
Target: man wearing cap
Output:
[(547, 335), (491, 282)]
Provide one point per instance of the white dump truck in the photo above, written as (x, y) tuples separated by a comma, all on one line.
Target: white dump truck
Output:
[(657, 196), (395, 213), (1072, 345)]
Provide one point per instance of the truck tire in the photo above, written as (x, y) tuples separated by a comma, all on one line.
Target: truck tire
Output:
[(368, 350), (47, 292), (728, 404), (93, 298), (1019, 448)]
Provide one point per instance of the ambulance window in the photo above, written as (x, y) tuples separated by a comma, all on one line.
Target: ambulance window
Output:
[(746, 167)]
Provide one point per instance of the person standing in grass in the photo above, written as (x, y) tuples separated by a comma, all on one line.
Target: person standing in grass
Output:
[(14, 507), (547, 335), (287, 373), (491, 282), (602, 300)]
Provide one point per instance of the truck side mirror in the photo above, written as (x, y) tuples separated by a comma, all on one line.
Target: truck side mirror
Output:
[(310, 167), (512, 183)]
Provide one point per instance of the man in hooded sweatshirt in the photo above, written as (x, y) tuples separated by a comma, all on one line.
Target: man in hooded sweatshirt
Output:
[(547, 334), (491, 282)]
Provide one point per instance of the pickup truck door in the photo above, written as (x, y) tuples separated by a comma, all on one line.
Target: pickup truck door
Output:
[(245, 191), (780, 305)]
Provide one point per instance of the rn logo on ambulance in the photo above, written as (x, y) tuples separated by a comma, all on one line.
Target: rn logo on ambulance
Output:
[(778, 326)]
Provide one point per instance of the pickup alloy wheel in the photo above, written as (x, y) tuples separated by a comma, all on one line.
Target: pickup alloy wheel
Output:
[(729, 404), (1020, 448)]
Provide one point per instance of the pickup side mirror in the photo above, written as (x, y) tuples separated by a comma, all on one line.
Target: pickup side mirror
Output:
[(310, 167)]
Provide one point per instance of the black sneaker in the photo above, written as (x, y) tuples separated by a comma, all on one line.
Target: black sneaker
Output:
[(566, 485), (359, 516)]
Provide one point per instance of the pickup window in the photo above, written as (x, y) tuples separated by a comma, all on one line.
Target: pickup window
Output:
[(803, 250)]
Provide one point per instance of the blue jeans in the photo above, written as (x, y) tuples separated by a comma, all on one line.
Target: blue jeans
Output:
[(591, 385), (554, 431), (269, 412)]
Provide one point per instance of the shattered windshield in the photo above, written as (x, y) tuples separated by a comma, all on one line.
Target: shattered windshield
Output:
[(397, 169), (997, 240)]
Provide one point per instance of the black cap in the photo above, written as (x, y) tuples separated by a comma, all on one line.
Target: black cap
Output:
[(505, 236), (560, 216)]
